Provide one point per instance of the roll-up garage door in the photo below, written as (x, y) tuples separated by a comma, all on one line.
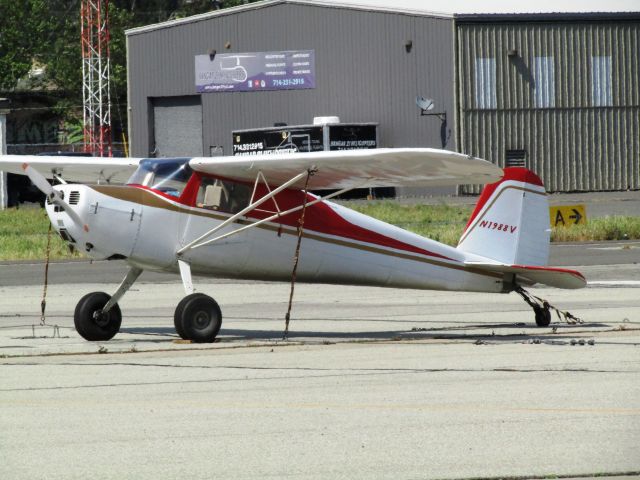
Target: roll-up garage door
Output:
[(177, 126)]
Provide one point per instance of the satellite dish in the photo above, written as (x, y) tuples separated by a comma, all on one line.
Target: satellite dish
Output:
[(424, 103)]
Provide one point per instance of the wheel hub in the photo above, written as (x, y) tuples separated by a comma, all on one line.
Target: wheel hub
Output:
[(101, 318), (202, 319)]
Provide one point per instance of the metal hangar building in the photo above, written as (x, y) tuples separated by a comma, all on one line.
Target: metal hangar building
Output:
[(558, 93)]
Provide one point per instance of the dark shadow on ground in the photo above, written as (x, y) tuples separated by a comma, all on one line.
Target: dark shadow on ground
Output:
[(484, 332)]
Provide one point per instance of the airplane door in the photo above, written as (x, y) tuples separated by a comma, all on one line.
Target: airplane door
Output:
[(216, 202)]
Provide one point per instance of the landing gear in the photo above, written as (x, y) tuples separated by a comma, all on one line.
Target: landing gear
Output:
[(198, 318), (541, 308), (92, 322), (543, 315), (97, 316)]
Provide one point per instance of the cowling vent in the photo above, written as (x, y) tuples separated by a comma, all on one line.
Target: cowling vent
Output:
[(74, 197)]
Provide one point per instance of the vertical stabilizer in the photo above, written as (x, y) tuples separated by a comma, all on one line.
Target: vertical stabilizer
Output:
[(510, 223)]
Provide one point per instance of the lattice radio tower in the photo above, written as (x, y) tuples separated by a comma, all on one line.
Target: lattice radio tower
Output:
[(95, 76)]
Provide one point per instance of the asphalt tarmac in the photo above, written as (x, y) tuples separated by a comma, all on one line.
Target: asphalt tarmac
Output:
[(371, 383)]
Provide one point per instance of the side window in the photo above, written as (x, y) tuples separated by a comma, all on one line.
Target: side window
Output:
[(601, 81), (485, 83), (222, 195), (544, 75)]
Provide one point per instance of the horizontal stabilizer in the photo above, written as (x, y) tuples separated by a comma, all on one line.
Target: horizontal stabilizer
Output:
[(528, 275), (379, 167)]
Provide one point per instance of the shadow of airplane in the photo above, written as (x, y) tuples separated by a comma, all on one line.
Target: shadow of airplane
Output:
[(468, 332)]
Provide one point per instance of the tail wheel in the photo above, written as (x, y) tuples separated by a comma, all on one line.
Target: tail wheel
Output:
[(543, 316), (198, 318), (91, 322)]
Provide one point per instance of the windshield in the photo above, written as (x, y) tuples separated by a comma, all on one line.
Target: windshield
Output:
[(169, 176)]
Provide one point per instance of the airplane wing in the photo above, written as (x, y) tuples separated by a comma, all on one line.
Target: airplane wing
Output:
[(381, 167), (74, 169), (529, 275)]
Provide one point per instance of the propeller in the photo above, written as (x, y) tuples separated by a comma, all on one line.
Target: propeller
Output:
[(53, 196)]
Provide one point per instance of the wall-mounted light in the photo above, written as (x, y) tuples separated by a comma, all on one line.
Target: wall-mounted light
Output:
[(408, 45), (512, 52), (212, 54), (227, 45)]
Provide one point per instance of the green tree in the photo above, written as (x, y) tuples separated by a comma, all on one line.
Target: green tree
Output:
[(23, 29), (48, 32)]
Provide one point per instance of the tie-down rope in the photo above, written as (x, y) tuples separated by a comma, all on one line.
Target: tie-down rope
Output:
[(296, 256)]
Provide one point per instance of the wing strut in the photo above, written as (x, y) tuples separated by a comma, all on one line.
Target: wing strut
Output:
[(198, 242), (242, 212), (279, 214)]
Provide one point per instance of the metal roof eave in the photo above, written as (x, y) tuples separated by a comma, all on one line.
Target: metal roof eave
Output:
[(463, 18), (270, 3)]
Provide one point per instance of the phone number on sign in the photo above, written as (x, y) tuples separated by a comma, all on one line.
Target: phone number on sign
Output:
[(287, 82)]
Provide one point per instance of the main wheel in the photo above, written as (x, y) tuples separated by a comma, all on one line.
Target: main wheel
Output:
[(543, 316), (198, 318), (91, 323), (177, 318)]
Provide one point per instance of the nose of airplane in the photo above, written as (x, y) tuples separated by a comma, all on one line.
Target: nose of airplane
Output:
[(70, 221), (100, 221)]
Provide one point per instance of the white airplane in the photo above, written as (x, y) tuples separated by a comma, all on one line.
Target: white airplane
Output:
[(239, 217)]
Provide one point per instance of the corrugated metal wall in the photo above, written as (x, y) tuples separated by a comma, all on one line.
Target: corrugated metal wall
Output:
[(573, 143), (363, 72)]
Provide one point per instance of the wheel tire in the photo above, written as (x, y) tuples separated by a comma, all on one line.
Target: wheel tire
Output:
[(543, 316), (199, 317), (177, 318), (96, 329)]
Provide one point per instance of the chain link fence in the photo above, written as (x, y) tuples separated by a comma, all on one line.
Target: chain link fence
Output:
[(42, 148)]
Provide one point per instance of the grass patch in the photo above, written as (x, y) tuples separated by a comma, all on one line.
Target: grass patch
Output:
[(602, 228), (23, 236), (442, 223), (445, 223), (23, 232)]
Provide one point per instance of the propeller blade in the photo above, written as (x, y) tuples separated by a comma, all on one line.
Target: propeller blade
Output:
[(54, 197), (38, 180)]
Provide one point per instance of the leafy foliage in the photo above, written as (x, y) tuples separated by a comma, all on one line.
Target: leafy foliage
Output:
[(23, 30), (47, 32)]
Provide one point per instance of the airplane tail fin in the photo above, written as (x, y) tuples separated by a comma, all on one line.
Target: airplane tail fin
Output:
[(509, 233), (510, 223)]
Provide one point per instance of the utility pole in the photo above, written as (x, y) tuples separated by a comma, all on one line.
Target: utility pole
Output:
[(96, 93), (4, 111)]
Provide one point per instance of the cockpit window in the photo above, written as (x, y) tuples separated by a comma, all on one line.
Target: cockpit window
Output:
[(169, 176)]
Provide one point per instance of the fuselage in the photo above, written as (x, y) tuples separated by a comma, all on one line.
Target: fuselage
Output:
[(148, 221)]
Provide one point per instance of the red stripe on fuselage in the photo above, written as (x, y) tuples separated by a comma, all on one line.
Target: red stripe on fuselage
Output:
[(320, 218)]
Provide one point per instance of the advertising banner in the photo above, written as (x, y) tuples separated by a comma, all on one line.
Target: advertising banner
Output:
[(255, 71), (305, 138)]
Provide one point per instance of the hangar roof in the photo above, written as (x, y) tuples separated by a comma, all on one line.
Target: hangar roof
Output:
[(455, 7), (463, 9)]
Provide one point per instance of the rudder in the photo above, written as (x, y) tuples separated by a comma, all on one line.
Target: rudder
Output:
[(510, 223)]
